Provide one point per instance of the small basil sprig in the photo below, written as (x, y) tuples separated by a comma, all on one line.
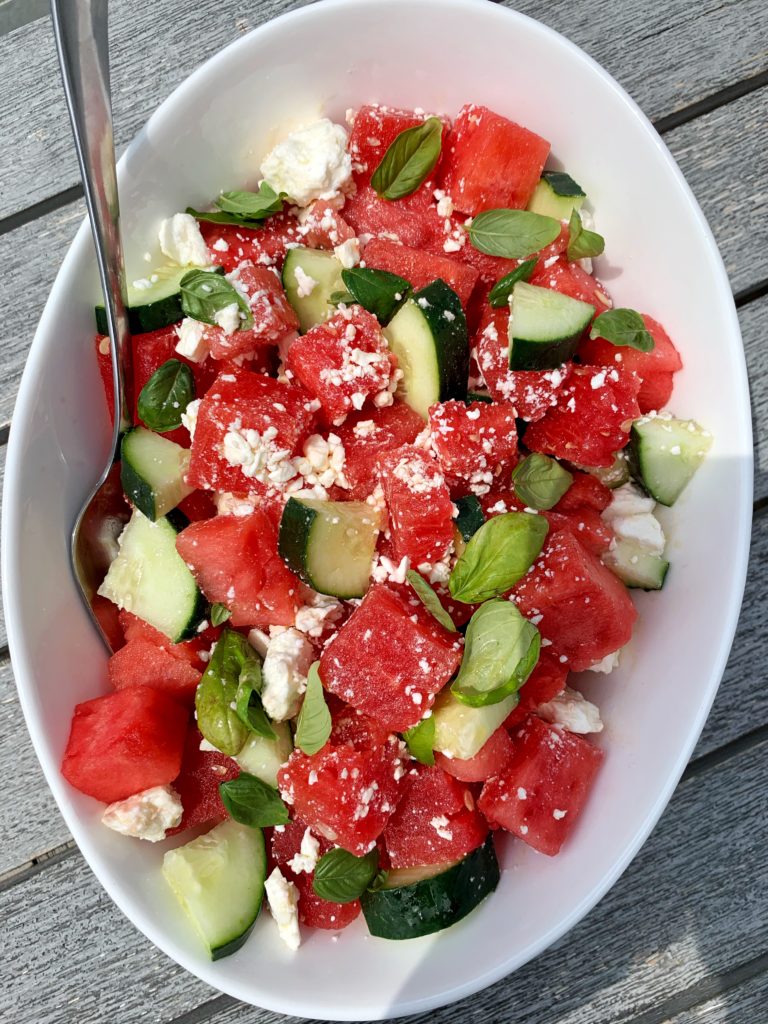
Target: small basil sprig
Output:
[(421, 740), (216, 697), (204, 293), (246, 209), (166, 396), (499, 294), (513, 234), (313, 726), (409, 160), (581, 242), (540, 482), (252, 802), (623, 327), (219, 614), (341, 877), (497, 556), (378, 291), (251, 711), (430, 600), (501, 651)]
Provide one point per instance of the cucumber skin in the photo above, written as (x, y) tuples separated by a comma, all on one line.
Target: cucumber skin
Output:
[(451, 337), (228, 948), (151, 316), (180, 522), (470, 517), (541, 355), (410, 911), (294, 536), (137, 490)]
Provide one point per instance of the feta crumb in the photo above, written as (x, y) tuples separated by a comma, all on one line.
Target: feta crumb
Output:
[(146, 815), (283, 897), (323, 462), (440, 825), (348, 253), (572, 711), (305, 284), (607, 664), (308, 855), (286, 664), (310, 163), (192, 343), (228, 318), (182, 242), (630, 516), (189, 416), (320, 611)]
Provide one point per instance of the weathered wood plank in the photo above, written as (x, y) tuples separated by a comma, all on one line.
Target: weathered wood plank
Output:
[(754, 327), (744, 1003), (712, 46), (618, 963), (3, 636)]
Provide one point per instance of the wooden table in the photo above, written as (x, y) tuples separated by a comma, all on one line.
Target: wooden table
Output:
[(683, 937)]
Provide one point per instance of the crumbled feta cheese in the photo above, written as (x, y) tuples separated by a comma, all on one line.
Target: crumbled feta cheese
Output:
[(283, 898), (307, 857), (440, 825), (572, 711), (323, 461), (208, 748), (286, 664), (385, 569), (234, 504), (305, 284), (189, 416), (607, 664), (257, 455), (192, 343), (348, 253), (182, 242), (310, 163), (145, 815), (228, 318), (320, 611), (221, 245), (630, 516)]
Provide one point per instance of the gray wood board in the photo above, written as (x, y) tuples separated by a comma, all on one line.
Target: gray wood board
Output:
[(713, 47), (741, 1004), (72, 949), (754, 327)]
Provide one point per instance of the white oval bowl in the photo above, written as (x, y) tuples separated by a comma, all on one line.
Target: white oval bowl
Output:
[(208, 136)]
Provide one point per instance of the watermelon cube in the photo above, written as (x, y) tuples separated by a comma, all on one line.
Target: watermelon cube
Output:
[(491, 161), (544, 787), (229, 245), (475, 442), (374, 130), (586, 491), (323, 227), (571, 279), (366, 435), (202, 771), (124, 743), (143, 663), (585, 611), (412, 221), (488, 761), (273, 316), (420, 267), (419, 503), (545, 683), (358, 664)]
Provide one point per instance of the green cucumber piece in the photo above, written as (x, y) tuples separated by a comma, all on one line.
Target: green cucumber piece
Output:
[(218, 879), (664, 454), (611, 476), (470, 517), (154, 307), (461, 730), (556, 195), (263, 757), (325, 270), (432, 903), (150, 579), (429, 337), (544, 327), (152, 470), (329, 544), (634, 566)]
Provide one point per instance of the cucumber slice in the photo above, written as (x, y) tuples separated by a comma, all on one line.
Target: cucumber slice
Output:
[(636, 567), (470, 517), (329, 544), (152, 470), (557, 195), (153, 307), (664, 453), (544, 327), (461, 730), (150, 579), (429, 337), (263, 757), (407, 911), (218, 879), (325, 270)]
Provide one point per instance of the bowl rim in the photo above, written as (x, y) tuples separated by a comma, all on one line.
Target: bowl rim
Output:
[(12, 526)]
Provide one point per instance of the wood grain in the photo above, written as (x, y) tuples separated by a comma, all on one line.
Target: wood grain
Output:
[(743, 1004)]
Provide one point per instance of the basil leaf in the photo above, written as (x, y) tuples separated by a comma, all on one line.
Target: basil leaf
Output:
[(337, 298), (313, 726), (251, 205), (622, 327), (216, 217), (497, 556), (409, 160), (470, 517), (252, 802), (378, 291), (540, 482), (341, 877), (219, 614), (582, 243), (430, 600), (250, 710), (216, 699), (501, 291), (421, 740), (204, 293), (166, 396), (513, 234), (501, 651)]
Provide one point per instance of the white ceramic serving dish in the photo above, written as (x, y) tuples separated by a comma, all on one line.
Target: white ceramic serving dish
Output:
[(208, 136)]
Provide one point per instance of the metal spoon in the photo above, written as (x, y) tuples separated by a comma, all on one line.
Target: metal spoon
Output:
[(80, 30)]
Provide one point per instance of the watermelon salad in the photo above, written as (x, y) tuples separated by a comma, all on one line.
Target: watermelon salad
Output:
[(393, 470)]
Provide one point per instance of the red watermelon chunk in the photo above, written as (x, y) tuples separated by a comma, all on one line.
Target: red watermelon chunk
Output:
[(475, 442), (572, 280), (197, 506), (313, 910), (202, 771), (419, 503), (545, 683), (357, 729), (435, 822), (235, 562), (592, 418), (420, 267), (491, 161), (230, 245), (543, 789), (124, 743), (369, 433), (585, 491), (323, 227), (488, 761), (585, 611), (390, 658), (104, 362), (142, 663), (345, 363), (108, 617), (411, 221), (188, 651)]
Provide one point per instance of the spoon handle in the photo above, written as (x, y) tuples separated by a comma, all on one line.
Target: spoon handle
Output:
[(80, 30)]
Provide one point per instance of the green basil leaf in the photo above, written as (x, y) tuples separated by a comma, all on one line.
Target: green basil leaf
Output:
[(513, 234), (166, 396), (409, 160), (622, 327), (204, 293), (313, 726), (341, 877), (339, 298), (252, 802), (251, 205), (430, 600), (217, 217), (224, 691), (421, 740), (582, 243), (497, 556), (501, 291), (249, 708), (470, 517), (219, 614), (501, 651), (540, 482), (378, 291)]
